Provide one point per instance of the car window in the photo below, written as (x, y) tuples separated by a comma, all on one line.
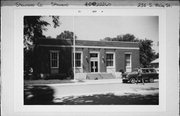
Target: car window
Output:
[(135, 70), (154, 70), (148, 71), (144, 70)]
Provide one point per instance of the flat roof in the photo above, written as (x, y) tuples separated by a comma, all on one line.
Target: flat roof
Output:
[(87, 43)]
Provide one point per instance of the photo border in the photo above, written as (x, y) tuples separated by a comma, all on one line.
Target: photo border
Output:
[(114, 11)]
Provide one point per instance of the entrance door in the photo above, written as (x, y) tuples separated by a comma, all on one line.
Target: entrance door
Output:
[(94, 66)]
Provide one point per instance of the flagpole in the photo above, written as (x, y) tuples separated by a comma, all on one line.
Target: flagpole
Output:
[(74, 48)]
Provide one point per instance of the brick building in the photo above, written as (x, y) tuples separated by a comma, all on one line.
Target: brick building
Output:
[(55, 57)]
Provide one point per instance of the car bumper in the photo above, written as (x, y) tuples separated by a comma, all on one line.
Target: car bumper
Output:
[(124, 80)]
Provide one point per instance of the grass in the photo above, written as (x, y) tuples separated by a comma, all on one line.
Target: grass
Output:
[(110, 99)]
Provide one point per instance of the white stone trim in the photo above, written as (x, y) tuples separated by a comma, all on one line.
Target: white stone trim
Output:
[(105, 47)]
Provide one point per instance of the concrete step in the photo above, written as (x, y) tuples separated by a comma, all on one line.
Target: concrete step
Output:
[(97, 76)]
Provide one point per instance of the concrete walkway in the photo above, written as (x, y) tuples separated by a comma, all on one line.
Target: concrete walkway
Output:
[(87, 82), (114, 86), (92, 82)]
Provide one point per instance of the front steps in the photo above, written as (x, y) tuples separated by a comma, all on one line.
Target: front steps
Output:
[(97, 76)]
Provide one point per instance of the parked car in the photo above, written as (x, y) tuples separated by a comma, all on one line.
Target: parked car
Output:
[(157, 70), (148, 74)]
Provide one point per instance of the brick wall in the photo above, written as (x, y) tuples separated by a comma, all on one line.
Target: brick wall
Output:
[(43, 60), (102, 60), (42, 56), (86, 60), (120, 59)]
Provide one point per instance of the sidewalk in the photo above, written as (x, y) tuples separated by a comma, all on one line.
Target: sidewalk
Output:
[(103, 87), (91, 82), (87, 82)]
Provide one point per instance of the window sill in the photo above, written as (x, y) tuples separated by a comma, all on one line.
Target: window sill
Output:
[(54, 67), (110, 67)]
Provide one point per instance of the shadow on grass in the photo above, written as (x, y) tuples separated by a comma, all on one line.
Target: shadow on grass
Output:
[(151, 88), (44, 95), (38, 95), (110, 99)]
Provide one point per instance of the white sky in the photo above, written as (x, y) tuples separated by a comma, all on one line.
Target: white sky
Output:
[(99, 27)]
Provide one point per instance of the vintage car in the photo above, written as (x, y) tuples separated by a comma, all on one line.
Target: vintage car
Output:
[(148, 74)]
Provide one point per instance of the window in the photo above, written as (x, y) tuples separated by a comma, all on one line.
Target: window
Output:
[(110, 59), (128, 60), (54, 59), (78, 58)]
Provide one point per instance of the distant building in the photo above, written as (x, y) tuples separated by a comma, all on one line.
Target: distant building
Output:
[(55, 57), (155, 63)]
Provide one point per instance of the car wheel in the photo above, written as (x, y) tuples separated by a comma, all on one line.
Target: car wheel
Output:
[(124, 81), (151, 80), (133, 80)]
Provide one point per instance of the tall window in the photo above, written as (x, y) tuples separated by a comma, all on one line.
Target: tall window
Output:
[(110, 59), (128, 60), (77, 59), (54, 59)]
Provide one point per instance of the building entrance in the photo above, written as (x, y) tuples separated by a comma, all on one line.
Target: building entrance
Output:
[(94, 66), (94, 62)]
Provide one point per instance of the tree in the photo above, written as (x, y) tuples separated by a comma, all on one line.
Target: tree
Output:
[(107, 39), (49, 37), (66, 35), (33, 30), (147, 54), (126, 37)]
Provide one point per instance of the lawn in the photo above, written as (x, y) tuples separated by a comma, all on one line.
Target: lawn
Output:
[(109, 99)]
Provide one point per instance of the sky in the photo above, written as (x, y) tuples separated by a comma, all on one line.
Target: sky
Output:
[(99, 27)]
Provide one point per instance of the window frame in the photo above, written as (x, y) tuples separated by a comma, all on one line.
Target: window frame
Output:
[(81, 60), (95, 59), (57, 60), (130, 66), (112, 59)]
